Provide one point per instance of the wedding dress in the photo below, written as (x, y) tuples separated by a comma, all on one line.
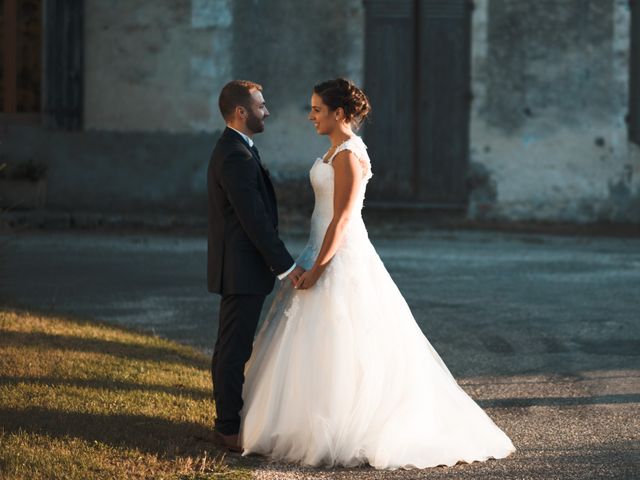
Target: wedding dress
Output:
[(341, 374)]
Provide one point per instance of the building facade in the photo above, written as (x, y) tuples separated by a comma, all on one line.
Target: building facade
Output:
[(505, 109)]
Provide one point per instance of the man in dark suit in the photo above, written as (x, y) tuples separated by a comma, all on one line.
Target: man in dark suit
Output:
[(245, 253)]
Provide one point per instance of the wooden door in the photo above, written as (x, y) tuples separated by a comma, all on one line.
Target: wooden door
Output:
[(443, 100), (20, 56), (389, 60), (63, 63), (417, 74)]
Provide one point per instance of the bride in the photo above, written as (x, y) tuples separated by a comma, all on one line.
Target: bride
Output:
[(340, 373)]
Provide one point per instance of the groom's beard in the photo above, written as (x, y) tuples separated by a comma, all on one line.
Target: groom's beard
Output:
[(255, 124)]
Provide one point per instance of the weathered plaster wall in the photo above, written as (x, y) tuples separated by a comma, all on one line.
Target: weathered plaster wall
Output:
[(126, 172), (548, 133), (294, 46), (156, 66), (548, 136), (153, 72), (159, 66)]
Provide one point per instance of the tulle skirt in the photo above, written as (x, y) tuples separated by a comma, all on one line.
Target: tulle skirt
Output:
[(342, 375)]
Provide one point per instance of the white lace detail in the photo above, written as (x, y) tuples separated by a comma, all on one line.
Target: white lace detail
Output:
[(359, 149), (322, 181)]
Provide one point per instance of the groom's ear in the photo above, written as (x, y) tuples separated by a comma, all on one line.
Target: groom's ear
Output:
[(241, 112)]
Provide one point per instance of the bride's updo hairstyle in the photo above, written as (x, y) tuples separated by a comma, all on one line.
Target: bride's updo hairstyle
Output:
[(343, 93)]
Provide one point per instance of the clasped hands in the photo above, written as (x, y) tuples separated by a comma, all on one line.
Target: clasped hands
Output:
[(302, 280)]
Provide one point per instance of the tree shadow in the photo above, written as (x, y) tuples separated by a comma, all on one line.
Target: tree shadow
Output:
[(148, 434), (559, 401), (107, 384), (558, 378), (107, 347)]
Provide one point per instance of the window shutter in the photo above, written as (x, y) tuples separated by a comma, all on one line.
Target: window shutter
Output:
[(63, 63), (633, 118)]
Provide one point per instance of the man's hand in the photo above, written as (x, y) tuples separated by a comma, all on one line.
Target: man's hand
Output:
[(295, 274), (308, 279)]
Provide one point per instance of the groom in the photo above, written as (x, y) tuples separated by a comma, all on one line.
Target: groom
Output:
[(245, 253)]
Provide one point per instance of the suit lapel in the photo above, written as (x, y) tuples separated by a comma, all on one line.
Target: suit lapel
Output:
[(230, 132), (266, 175)]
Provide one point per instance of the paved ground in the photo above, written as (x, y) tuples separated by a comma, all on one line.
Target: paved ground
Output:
[(544, 331)]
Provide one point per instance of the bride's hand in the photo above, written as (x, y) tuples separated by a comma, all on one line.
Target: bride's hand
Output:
[(308, 279)]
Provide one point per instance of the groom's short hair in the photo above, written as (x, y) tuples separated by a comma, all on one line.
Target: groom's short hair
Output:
[(236, 93)]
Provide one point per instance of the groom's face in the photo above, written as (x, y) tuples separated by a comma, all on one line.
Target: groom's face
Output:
[(256, 112)]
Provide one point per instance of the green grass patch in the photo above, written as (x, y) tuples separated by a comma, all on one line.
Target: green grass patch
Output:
[(85, 400)]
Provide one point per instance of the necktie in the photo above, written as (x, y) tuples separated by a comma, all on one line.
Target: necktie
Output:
[(257, 154)]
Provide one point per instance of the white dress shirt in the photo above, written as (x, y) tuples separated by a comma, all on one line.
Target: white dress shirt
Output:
[(248, 139)]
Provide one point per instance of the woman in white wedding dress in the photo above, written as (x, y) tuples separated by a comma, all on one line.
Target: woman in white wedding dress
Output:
[(340, 373)]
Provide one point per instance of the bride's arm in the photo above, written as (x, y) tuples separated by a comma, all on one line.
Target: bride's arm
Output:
[(347, 178)]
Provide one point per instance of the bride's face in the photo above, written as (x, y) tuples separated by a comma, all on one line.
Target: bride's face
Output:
[(323, 119)]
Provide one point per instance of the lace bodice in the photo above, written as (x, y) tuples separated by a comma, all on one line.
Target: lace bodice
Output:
[(321, 175)]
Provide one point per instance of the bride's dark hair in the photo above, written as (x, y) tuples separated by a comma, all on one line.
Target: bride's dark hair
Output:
[(341, 92)]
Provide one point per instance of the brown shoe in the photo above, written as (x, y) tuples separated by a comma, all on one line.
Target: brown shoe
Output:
[(228, 442)]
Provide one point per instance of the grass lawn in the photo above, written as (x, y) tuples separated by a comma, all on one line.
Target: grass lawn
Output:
[(82, 400)]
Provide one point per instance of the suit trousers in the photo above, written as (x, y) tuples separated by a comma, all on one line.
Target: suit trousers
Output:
[(239, 315)]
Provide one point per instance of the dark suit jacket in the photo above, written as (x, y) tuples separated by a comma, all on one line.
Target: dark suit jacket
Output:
[(244, 250)]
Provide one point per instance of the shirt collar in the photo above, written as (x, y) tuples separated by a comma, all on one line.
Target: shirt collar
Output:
[(246, 138)]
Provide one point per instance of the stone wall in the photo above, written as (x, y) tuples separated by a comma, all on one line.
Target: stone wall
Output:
[(548, 132), (159, 66), (153, 72)]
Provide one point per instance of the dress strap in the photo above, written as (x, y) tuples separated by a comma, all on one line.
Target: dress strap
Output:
[(359, 149), (348, 144)]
